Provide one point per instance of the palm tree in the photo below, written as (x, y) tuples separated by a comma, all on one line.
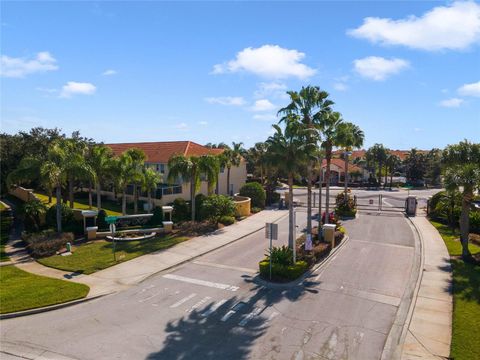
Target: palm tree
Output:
[(75, 165), (52, 169), (379, 154), (150, 178), (100, 160), (121, 165), (137, 157), (462, 171), (287, 151), (32, 211), (256, 155), (309, 104), (210, 167), (329, 124), (392, 163), (232, 157), (350, 137)]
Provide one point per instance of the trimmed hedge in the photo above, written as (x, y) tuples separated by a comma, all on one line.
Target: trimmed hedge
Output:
[(46, 243), (255, 192), (226, 220), (282, 273)]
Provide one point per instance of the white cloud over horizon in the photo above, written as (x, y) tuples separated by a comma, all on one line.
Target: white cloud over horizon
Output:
[(226, 100), (109, 72), (273, 89), (265, 117), (379, 68), (77, 88), (21, 67), (269, 61), (453, 27), (472, 89), (262, 105), (451, 103)]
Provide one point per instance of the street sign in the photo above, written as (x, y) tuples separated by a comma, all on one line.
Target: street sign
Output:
[(271, 231), (111, 219)]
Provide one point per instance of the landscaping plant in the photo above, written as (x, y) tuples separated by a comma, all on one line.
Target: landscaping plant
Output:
[(255, 192)]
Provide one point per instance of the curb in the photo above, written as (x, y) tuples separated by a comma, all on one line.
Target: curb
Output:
[(50, 307), (301, 279), (209, 251), (393, 347)]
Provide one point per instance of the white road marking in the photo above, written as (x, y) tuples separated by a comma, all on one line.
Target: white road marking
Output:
[(222, 266), (250, 316), (198, 304), (201, 282), (213, 308), (272, 315), (229, 314), (149, 297), (181, 301)]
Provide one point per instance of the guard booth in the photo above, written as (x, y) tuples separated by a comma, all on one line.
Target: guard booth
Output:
[(411, 205)]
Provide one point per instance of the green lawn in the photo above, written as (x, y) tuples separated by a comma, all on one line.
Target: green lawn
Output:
[(466, 300), (2, 206), (110, 207), (98, 255), (5, 225), (21, 290)]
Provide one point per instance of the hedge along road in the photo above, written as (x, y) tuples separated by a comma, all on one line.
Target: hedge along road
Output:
[(211, 307)]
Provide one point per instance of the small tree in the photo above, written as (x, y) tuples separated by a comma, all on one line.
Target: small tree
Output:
[(216, 206), (255, 192)]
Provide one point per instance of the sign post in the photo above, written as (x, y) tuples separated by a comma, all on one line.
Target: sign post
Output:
[(271, 232), (111, 220)]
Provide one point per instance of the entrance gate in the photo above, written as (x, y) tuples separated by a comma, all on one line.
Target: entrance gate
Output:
[(379, 202)]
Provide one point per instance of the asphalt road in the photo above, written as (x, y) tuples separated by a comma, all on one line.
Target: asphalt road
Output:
[(213, 307)]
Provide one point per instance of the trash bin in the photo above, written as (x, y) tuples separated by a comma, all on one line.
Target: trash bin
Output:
[(329, 234), (168, 226)]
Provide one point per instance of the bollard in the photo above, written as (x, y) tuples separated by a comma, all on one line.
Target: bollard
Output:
[(69, 247)]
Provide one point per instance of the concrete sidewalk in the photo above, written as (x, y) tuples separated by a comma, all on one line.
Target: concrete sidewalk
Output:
[(132, 272), (430, 329)]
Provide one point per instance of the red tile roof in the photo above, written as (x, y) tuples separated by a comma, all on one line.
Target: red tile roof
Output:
[(341, 164), (162, 151), (402, 154)]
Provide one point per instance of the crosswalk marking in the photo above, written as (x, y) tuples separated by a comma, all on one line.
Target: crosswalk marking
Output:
[(213, 308), (201, 282), (198, 304), (247, 317), (184, 300), (149, 297)]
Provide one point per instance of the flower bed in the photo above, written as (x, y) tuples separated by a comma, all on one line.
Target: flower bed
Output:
[(131, 236)]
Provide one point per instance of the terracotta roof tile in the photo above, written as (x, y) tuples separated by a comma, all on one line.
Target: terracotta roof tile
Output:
[(162, 151)]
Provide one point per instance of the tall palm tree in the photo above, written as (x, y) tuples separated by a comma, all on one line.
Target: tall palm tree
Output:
[(232, 157), (51, 169), (257, 156), (462, 171), (392, 163), (137, 157), (76, 167), (287, 150), (121, 165), (150, 180), (309, 104), (350, 137), (100, 160), (329, 124), (210, 167)]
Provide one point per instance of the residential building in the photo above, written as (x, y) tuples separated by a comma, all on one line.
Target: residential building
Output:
[(157, 156)]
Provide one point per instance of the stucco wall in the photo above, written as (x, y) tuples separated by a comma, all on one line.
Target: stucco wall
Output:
[(242, 205), (23, 194)]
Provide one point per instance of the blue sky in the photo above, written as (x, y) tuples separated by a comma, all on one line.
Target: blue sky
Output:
[(407, 73)]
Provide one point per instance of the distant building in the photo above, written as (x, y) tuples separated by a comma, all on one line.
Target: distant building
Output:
[(157, 156), (337, 172)]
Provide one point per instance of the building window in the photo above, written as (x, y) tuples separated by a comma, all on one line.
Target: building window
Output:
[(162, 168)]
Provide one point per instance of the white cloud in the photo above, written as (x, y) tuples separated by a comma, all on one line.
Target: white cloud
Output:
[(472, 89), (451, 103), (203, 123), (339, 86), (47, 90), (270, 61), (109, 72), (226, 100), (274, 89), (262, 105), (265, 117), (181, 126), (451, 27), (378, 68), (77, 88), (20, 67)]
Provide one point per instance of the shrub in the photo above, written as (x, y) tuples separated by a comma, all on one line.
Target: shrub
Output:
[(345, 207), (281, 255), (272, 197), (32, 211), (216, 206), (475, 222), (199, 200), (101, 222), (46, 243), (157, 217), (255, 210), (181, 210), (226, 220), (255, 192), (192, 229), (68, 220), (282, 273)]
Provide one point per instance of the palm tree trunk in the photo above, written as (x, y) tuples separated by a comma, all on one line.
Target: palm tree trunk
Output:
[(291, 227), (135, 200), (150, 202), (90, 201), (391, 179), (49, 196), (99, 196), (228, 181), (386, 176), (309, 198), (192, 194), (346, 178), (124, 201), (320, 181), (327, 190), (465, 226), (70, 192), (380, 173), (58, 191)]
